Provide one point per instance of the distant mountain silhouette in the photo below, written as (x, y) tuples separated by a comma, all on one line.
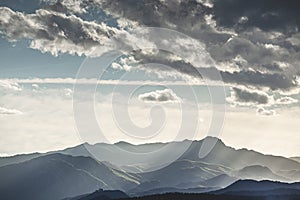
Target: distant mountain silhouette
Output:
[(221, 155), (18, 158), (73, 171), (257, 172)]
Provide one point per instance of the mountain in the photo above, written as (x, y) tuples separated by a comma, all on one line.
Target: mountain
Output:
[(180, 196), (101, 194), (240, 190), (74, 171), (58, 176), (257, 172), (296, 159), (193, 174), (238, 158), (220, 154), (18, 158), (260, 188)]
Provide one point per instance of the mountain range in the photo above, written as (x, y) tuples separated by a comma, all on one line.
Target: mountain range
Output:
[(240, 190), (73, 172)]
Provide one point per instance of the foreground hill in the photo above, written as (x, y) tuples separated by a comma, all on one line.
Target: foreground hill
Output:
[(101, 194), (181, 196), (260, 188), (240, 190)]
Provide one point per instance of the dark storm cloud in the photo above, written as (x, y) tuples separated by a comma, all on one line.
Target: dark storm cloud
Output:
[(58, 7), (248, 35), (273, 81), (185, 16), (246, 96), (158, 13), (265, 14), (165, 63)]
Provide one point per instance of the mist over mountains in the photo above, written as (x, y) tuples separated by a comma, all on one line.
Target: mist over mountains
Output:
[(74, 172)]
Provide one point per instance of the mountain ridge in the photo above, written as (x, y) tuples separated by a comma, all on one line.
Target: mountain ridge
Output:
[(23, 157), (219, 169)]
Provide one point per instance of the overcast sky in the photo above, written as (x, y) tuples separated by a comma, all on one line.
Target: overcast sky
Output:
[(253, 46)]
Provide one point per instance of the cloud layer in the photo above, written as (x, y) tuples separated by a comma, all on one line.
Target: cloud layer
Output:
[(251, 46)]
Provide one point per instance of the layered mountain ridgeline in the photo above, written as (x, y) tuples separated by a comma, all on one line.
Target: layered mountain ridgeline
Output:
[(59, 176), (240, 190), (73, 172)]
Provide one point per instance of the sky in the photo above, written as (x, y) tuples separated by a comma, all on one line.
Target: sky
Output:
[(149, 71)]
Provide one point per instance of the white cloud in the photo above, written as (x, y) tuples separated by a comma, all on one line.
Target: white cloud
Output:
[(207, 3), (35, 86), (102, 82), (8, 111), (267, 112), (295, 39), (10, 85), (55, 32), (161, 96), (286, 100), (68, 92)]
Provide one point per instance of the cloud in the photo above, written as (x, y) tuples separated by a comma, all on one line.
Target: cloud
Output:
[(266, 112), (162, 96), (54, 32), (248, 45), (157, 13), (275, 81), (10, 85), (243, 96), (68, 92), (7, 111), (35, 86), (95, 81), (286, 100), (66, 6), (246, 96), (295, 40), (261, 44), (274, 15)]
